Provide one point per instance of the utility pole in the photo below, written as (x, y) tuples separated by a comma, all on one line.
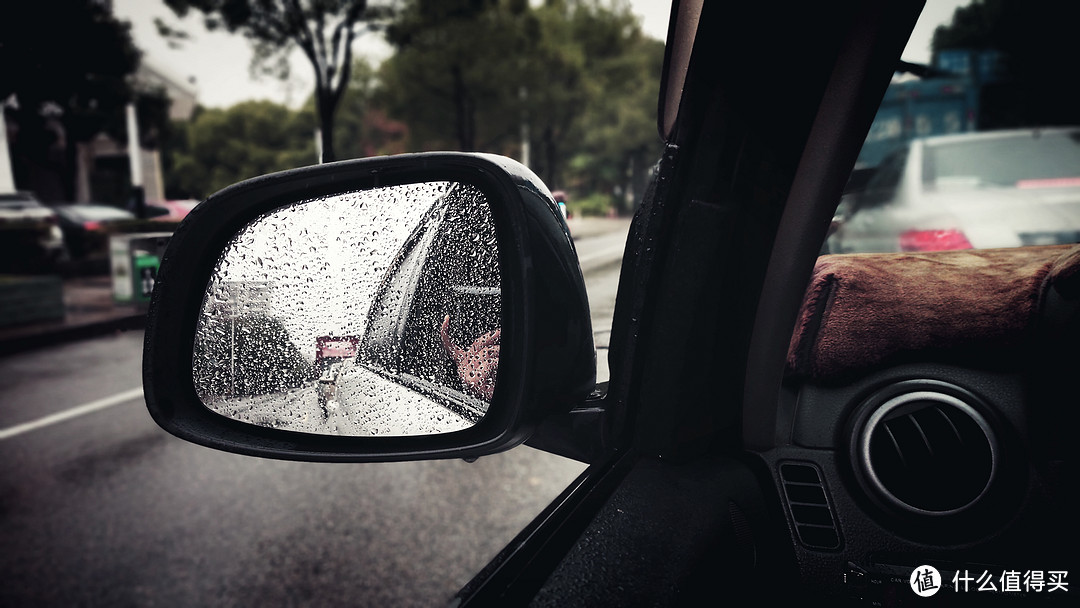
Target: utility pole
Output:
[(234, 306), (138, 195), (7, 181), (523, 93)]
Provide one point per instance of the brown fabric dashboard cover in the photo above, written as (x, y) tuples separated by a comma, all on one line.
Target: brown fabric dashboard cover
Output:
[(972, 306)]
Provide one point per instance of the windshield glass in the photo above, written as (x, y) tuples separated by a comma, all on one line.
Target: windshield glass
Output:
[(961, 153)]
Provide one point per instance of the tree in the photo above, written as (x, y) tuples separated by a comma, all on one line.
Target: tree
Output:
[(323, 29), (457, 74), (579, 75), (621, 81), (251, 354), (66, 64), (217, 147), (1042, 55), (556, 94), (362, 129)]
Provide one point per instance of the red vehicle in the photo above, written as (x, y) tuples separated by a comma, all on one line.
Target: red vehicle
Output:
[(170, 211), (335, 347)]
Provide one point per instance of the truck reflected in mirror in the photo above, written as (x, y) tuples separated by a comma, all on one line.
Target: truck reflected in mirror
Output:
[(368, 313)]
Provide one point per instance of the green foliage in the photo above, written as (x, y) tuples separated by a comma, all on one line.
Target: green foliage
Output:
[(220, 147), (457, 74), (617, 125), (579, 76), (68, 63), (362, 129), (595, 205), (79, 62)]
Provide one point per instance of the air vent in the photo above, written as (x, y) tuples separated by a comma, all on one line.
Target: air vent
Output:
[(927, 452), (808, 504)]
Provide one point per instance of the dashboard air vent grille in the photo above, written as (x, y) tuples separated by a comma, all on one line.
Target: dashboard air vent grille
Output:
[(808, 504), (928, 453)]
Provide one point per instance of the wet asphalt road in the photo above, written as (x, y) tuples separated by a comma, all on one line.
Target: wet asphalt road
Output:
[(106, 509)]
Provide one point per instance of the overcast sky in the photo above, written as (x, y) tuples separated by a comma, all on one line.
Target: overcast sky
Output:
[(218, 62)]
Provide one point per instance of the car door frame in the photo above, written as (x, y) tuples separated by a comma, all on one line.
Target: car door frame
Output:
[(756, 257)]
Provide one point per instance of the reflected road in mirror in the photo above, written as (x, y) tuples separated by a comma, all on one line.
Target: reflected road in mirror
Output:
[(373, 312)]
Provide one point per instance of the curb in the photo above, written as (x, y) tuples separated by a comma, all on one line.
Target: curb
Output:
[(59, 335)]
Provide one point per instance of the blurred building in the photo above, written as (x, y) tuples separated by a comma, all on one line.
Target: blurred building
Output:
[(104, 173), (963, 90), (180, 92)]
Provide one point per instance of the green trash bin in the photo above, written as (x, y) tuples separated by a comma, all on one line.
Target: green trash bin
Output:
[(144, 273), (133, 281)]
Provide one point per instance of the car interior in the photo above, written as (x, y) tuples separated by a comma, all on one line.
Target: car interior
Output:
[(898, 410), (923, 409)]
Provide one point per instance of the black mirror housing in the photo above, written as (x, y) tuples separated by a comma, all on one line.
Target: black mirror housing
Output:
[(547, 362)]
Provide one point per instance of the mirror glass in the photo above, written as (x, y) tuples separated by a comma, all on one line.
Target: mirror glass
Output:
[(365, 313)]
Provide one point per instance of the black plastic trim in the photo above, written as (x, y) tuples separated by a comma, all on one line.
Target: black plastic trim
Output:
[(522, 567)]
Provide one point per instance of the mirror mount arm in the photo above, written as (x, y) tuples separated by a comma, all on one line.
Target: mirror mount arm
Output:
[(581, 434)]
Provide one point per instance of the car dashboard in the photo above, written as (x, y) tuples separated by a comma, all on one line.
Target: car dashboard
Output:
[(926, 419)]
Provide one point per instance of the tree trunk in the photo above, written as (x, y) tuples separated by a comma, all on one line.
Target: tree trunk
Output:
[(551, 159), (463, 107), (326, 125), (642, 175)]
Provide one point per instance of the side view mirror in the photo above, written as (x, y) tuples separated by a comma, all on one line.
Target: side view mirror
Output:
[(395, 308)]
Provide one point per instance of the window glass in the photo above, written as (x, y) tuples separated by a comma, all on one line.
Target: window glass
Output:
[(968, 182), (882, 185), (973, 146)]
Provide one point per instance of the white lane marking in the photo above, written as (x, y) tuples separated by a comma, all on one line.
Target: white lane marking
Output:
[(74, 412)]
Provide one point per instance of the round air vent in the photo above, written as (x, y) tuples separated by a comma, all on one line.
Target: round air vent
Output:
[(926, 452)]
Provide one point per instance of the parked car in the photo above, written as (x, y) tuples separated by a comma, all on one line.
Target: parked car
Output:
[(31, 234), (171, 210), (86, 226), (778, 429), (983, 190)]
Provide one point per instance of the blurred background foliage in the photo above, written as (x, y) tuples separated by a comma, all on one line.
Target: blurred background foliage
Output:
[(67, 98), (218, 147), (575, 82)]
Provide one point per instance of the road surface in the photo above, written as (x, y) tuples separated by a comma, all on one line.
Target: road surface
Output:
[(100, 507)]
